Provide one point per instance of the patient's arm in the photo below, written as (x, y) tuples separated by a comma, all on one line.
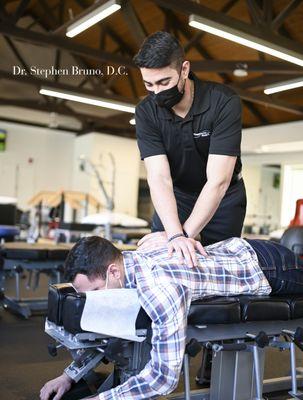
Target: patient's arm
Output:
[(167, 306), (59, 385)]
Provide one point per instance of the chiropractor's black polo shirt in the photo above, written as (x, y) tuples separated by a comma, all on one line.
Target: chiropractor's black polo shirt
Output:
[(212, 126)]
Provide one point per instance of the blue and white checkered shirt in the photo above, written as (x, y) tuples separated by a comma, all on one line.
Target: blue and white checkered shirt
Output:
[(166, 289)]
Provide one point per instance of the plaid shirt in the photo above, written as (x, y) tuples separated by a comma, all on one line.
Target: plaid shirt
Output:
[(166, 289)]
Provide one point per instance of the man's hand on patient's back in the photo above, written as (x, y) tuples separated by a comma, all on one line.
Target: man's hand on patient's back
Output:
[(59, 386), (185, 249)]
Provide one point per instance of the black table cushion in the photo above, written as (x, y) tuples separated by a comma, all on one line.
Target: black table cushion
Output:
[(218, 310), (254, 308)]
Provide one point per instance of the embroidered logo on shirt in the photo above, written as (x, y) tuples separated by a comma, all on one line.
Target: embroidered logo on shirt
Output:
[(204, 133)]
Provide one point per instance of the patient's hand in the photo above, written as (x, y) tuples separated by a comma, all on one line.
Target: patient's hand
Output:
[(59, 385), (153, 241)]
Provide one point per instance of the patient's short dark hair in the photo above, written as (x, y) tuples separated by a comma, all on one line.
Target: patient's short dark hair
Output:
[(159, 50), (90, 256)]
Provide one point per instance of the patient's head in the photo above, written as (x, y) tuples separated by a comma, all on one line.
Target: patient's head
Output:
[(94, 263)]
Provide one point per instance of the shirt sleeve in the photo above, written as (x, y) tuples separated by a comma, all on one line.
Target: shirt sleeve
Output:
[(168, 308), (226, 135), (148, 135)]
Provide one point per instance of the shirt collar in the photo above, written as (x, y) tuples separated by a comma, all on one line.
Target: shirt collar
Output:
[(200, 104), (129, 268)]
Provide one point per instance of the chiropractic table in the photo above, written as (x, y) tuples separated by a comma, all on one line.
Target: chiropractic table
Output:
[(236, 329)]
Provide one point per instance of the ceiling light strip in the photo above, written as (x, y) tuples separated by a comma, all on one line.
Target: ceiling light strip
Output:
[(93, 18), (244, 39), (285, 85), (94, 101)]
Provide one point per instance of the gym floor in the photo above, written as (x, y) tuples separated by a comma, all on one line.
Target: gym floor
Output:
[(26, 365)]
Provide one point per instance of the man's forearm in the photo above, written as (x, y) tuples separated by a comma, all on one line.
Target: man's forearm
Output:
[(205, 207), (164, 201)]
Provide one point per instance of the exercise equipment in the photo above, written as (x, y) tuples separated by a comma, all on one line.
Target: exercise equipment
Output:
[(236, 329), (292, 238), (298, 218)]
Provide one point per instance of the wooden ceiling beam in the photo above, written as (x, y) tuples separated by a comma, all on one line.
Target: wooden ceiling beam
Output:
[(63, 44), (133, 21), (267, 101), (261, 82), (20, 10), (267, 67), (253, 109), (280, 18)]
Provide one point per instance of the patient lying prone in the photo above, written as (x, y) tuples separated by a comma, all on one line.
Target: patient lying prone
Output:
[(165, 289)]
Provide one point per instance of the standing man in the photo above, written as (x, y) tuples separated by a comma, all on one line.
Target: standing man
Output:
[(189, 135)]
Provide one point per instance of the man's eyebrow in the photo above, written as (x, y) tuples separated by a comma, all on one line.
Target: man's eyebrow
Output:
[(159, 81)]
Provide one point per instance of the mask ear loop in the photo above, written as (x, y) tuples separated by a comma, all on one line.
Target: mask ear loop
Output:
[(183, 89), (120, 283), (106, 280)]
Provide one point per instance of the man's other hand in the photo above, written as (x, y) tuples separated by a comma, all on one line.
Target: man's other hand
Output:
[(59, 385), (153, 241), (185, 249)]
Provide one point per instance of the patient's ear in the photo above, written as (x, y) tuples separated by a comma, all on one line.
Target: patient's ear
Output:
[(114, 270)]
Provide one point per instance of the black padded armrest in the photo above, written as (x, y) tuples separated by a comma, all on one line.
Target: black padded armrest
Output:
[(56, 296), (72, 310)]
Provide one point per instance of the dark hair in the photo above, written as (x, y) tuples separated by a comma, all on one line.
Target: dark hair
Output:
[(159, 50), (90, 256)]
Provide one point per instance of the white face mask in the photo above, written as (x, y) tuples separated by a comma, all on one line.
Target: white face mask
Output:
[(107, 278)]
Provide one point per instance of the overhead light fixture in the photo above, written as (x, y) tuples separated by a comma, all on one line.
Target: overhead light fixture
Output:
[(285, 85), (132, 121), (241, 70), (244, 39), (94, 101), (93, 17)]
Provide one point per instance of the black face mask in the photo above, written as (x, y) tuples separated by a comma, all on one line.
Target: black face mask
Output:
[(170, 97)]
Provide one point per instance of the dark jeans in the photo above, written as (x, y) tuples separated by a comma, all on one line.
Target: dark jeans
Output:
[(227, 221), (282, 267)]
